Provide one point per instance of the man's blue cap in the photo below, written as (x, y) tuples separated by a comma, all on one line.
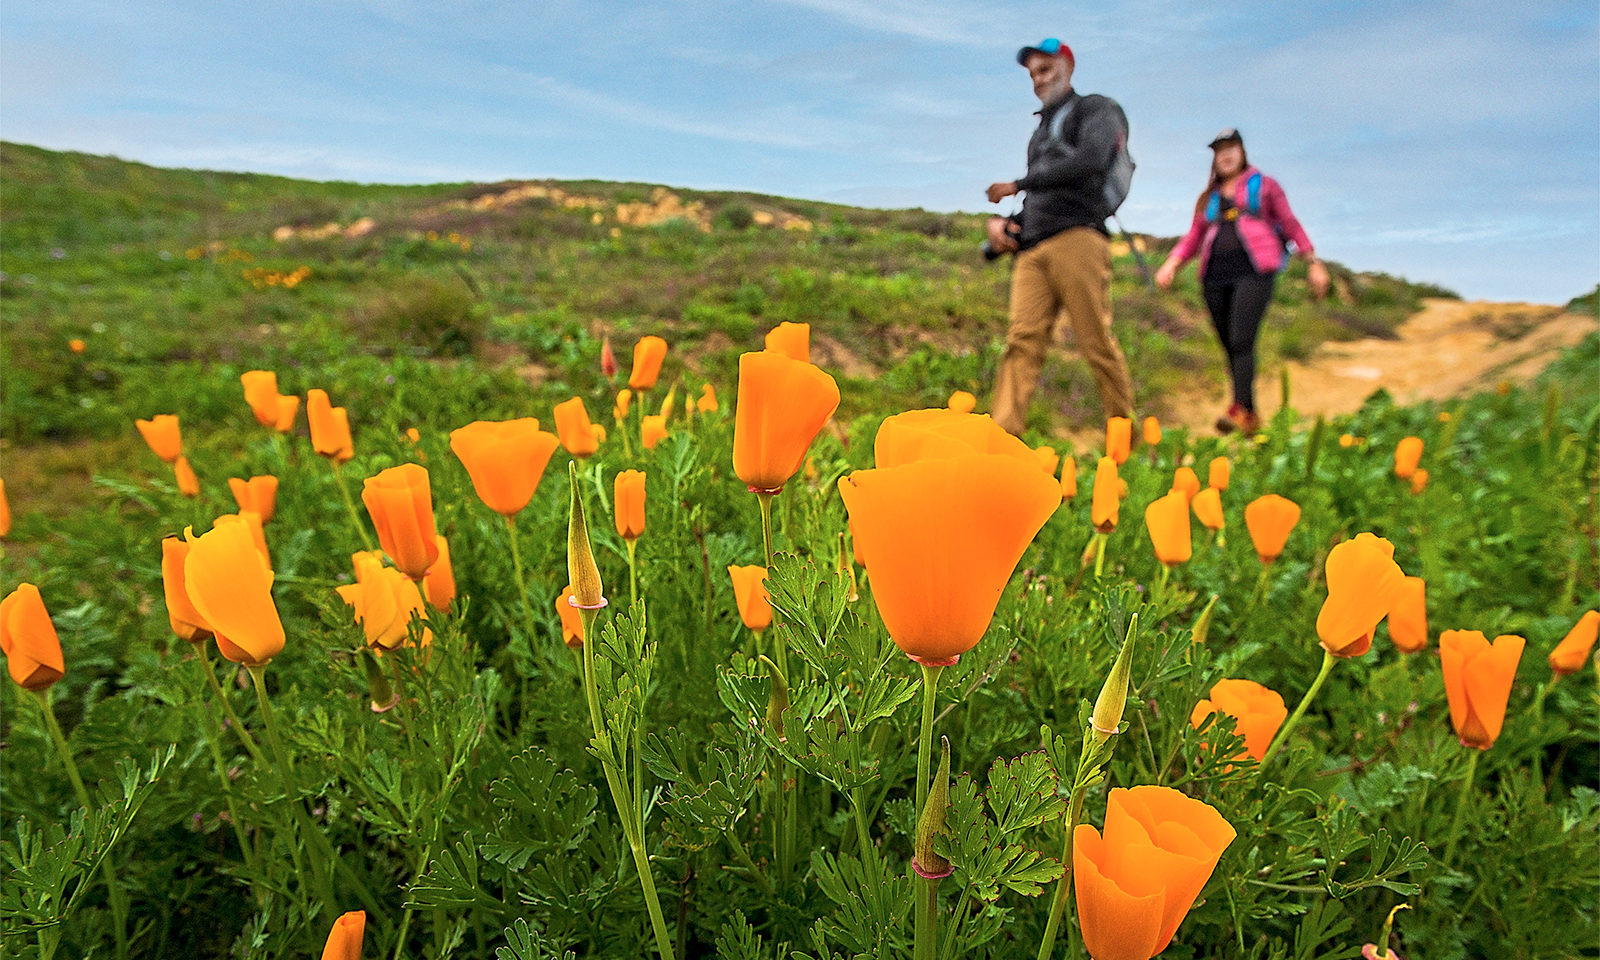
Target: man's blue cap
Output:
[(1050, 48)]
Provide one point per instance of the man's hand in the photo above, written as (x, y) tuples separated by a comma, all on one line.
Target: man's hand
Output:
[(1001, 239), (999, 191)]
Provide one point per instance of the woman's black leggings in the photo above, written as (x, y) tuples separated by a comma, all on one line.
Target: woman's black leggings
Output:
[(1237, 307)]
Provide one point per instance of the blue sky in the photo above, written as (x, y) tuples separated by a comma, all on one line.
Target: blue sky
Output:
[(1457, 143)]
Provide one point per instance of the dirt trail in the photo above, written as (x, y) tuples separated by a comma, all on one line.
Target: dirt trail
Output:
[(1447, 349)]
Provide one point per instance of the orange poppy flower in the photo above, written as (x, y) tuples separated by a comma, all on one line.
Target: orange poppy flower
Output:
[(1219, 473), (1207, 506), (935, 433), (792, 340), (439, 584), (652, 430), (1407, 454), (782, 405), (344, 940), (288, 408), (1419, 481), (258, 493), (1257, 712), (940, 539), (400, 503), (1069, 478), (1270, 519), (1185, 482), (750, 595), (261, 392), (505, 459), (962, 402), (1107, 502), (5, 511), (1569, 654), (76, 345), (251, 521), (1477, 681), (573, 427), (619, 410), (647, 356), (1167, 521), (1408, 621), (1363, 582), (183, 475), (628, 494), (230, 584), (571, 619), (1152, 431), (330, 427), (384, 602), (161, 433), (708, 399), (1119, 438), (1136, 881), (1047, 459), (29, 641)]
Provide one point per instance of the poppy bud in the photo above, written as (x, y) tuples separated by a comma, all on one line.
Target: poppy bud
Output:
[(793, 340), (608, 359), (29, 641), (962, 402), (1113, 697), (1569, 654), (1119, 437), (161, 433), (750, 595), (1202, 623), (1152, 431), (931, 823), (380, 692), (647, 356), (587, 591), (1107, 503), (619, 410), (628, 500), (251, 521), (778, 700)]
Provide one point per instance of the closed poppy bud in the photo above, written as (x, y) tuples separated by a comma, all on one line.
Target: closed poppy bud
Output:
[(574, 429), (344, 940), (1136, 881), (688, 408), (750, 595), (505, 459), (1107, 502), (782, 405), (183, 475), (668, 402), (1477, 681), (288, 407), (1363, 581), (5, 511), (1047, 459), (1569, 654), (1069, 478), (778, 699), (1167, 521), (1220, 472), (962, 402), (440, 582), (608, 359), (161, 433), (400, 503), (1270, 519), (384, 602), (28, 639), (1207, 506), (1408, 621), (941, 538), (647, 356), (228, 581), (251, 521), (793, 340), (927, 861), (1119, 437), (1257, 712), (258, 493), (1407, 454), (571, 619), (330, 427), (588, 590), (1185, 482), (652, 430), (183, 616), (1419, 481), (261, 392), (1113, 699), (1152, 431), (708, 399), (619, 410), (628, 494)]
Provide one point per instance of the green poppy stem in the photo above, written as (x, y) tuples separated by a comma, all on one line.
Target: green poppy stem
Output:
[(522, 585), (1299, 711), (1099, 553), (245, 738), (350, 505), (1461, 808), (764, 498), (925, 933), (227, 784), (1058, 903), (633, 579), (119, 902)]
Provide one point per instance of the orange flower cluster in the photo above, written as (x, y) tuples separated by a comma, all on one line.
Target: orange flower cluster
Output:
[(261, 278)]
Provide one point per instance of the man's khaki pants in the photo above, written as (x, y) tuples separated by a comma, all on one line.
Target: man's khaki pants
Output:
[(1067, 277)]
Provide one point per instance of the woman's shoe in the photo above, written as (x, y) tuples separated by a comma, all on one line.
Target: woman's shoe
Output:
[(1229, 421), (1247, 421)]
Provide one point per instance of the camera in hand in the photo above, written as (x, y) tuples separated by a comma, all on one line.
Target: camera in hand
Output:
[(990, 253)]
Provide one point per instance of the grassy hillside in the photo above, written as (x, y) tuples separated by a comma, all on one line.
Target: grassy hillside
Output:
[(174, 280)]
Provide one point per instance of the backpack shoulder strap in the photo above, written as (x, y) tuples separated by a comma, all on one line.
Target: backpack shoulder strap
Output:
[(1058, 123), (1213, 207), (1253, 194)]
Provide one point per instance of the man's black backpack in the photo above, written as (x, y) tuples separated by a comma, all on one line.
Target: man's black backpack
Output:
[(1119, 176)]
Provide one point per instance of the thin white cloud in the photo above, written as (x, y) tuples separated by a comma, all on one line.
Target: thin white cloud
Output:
[(922, 21)]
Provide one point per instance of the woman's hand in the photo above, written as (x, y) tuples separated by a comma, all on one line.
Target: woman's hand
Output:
[(1317, 277), (1166, 274)]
